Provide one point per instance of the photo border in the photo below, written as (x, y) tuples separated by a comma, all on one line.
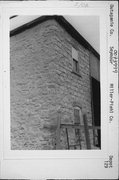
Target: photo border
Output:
[(51, 153)]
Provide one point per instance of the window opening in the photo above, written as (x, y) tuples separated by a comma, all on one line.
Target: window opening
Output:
[(75, 65), (75, 60)]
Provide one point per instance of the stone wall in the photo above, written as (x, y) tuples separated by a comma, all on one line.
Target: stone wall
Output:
[(42, 83), (71, 88)]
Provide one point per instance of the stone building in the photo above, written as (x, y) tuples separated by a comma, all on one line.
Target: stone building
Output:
[(54, 74)]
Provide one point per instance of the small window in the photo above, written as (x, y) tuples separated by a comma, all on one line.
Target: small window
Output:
[(77, 115), (75, 63), (75, 66)]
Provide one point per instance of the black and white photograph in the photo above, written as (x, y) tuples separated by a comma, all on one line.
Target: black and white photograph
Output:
[(59, 89), (55, 83)]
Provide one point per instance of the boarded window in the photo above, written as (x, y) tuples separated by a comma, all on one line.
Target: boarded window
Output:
[(77, 115)]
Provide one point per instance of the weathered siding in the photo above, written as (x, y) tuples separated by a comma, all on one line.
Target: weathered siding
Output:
[(42, 83)]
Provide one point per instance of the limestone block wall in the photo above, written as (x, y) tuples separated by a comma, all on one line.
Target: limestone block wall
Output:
[(71, 88), (42, 82)]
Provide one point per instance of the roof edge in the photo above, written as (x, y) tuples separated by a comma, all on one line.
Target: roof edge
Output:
[(64, 23)]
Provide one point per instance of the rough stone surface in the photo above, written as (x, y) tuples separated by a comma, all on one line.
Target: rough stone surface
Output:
[(42, 83)]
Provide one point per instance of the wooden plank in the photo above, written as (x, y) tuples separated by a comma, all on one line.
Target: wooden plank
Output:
[(74, 126), (72, 145), (70, 126), (86, 132), (67, 139), (79, 136), (94, 127), (58, 131)]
